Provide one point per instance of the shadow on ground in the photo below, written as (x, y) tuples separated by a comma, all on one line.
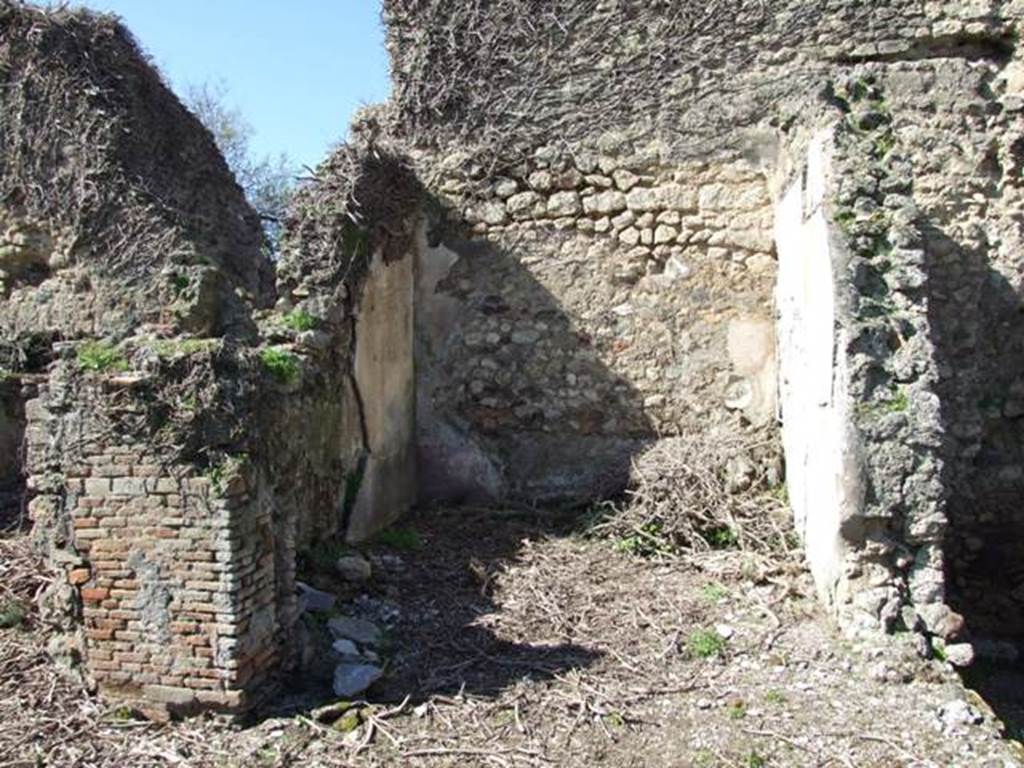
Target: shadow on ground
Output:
[(434, 599)]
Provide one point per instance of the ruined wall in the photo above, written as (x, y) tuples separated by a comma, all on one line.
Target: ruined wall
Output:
[(102, 227), (609, 263), (909, 248), (185, 442), (587, 310)]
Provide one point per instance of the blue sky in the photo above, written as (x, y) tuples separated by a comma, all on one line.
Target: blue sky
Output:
[(296, 69)]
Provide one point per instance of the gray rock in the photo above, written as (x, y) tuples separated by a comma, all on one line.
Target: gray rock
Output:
[(521, 204), (354, 568), (314, 600), (960, 654), (940, 620), (959, 712), (505, 188), (605, 203), (564, 204), (358, 630), (345, 647), (351, 679)]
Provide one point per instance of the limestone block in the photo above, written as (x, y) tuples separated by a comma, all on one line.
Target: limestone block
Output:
[(668, 197), (564, 204), (605, 203)]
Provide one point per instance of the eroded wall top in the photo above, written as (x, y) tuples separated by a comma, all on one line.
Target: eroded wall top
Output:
[(112, 194)]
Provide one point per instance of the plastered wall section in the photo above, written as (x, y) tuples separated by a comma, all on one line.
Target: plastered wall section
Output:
[(385, 382), (822, 475)]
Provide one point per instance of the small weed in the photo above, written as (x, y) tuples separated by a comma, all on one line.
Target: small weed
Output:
[(616, 720), (884, 144), (845, 218), (124, 713), (12, 614), (705, 643), (704, 759), (323, 555), (722, 537), (503, 718), (405, 539), (775, 697), (282, 365), (647, 541), (180, 283), (300, 321), (737, 710), (182, 347), (781, 494), (754, 760), (899, 402), (714, 592), (220, 475), (98, 357)]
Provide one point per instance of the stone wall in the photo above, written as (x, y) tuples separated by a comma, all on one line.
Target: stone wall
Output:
[(609, 272), (581, 306), (905, 242), (186, 443)]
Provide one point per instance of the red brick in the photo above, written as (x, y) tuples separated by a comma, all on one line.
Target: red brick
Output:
[(86, 522), (94, 594), (78, 576), (198, 682), (99, 634)]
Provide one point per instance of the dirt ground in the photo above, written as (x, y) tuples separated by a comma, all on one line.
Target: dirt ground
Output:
[(517, 641)]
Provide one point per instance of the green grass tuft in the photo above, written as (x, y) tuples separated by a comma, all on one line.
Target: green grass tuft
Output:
[(300, 321), (775, 697), (281, 364), (705, 643), (98, 357), (722, 537), (649, 540), (713, 592)]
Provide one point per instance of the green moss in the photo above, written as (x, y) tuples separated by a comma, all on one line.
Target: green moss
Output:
[(182, 347), (12, 614), (281, 364), (898, 402), (349, 721), (705, 643), (353, 482), (99, 357), (300, 321), (406, 539)]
